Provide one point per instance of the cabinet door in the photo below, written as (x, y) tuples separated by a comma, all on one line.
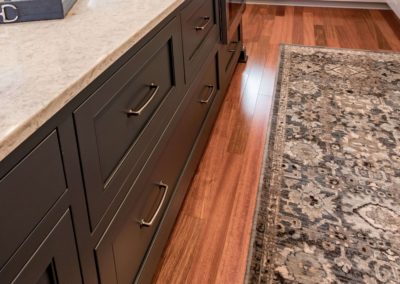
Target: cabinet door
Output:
[(28, 192), (55, 261)]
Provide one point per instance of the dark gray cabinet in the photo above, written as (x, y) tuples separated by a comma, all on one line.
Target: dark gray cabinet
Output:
[(33, 186), (93, 195), (37, 238)]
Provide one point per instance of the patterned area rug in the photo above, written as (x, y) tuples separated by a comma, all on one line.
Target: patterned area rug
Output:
[(329, 200)]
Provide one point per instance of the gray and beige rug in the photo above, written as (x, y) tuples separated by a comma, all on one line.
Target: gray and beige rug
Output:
[(329, 201)]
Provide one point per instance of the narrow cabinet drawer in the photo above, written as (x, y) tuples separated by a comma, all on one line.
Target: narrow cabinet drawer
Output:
[(28, 192), (230, 51), (123, 119), (198, 18), (200, 33), (123, 247), (200, 97)]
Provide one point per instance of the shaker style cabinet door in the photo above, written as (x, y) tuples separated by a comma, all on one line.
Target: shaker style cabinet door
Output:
[(37, 242), (54, 262), (28, 192)]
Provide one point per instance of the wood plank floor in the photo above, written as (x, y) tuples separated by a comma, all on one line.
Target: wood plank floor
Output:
[(211, 237)]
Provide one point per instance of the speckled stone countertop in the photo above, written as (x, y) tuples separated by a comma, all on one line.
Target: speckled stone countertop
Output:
[(43, 65)]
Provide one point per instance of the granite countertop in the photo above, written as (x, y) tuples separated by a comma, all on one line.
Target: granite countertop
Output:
[(43, 65)]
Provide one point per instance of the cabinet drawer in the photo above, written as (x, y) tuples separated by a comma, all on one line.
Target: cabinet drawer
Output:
[(201, 96), (126, 116), (27, 192), (122, 249), (230, 51), (200, 34)]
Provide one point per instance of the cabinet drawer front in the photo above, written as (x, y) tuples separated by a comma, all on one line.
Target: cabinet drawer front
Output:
[(121, 119), (200, 33), (229, 51), (201, 96), (122, 249), (108, 111), (27, 192), (197, 20)]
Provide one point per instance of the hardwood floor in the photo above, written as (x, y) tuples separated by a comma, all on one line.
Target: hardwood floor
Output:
[(211, 237)]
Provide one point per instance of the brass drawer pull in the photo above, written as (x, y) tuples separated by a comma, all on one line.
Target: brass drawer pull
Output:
[(154, 89), (161, 186), (212, 88), (201, 28)]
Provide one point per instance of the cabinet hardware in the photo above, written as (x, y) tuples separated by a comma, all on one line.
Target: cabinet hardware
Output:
[(212, 88), (201, 28), (161, 186), (235, 48), (154, 92)]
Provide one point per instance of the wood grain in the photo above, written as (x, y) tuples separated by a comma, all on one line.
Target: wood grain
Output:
[(211, 237)]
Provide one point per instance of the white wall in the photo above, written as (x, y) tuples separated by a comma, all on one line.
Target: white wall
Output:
[(395, 5), (368, 4)]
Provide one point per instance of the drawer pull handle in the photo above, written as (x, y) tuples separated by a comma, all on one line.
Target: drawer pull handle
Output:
[(202, 28), (234, 49), (212, 88), (161, 186), (154, 92)]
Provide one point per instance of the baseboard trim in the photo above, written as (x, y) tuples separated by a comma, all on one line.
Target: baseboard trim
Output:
[(327, 4)]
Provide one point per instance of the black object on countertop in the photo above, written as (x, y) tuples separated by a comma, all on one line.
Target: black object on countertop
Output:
[(33, 10)]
